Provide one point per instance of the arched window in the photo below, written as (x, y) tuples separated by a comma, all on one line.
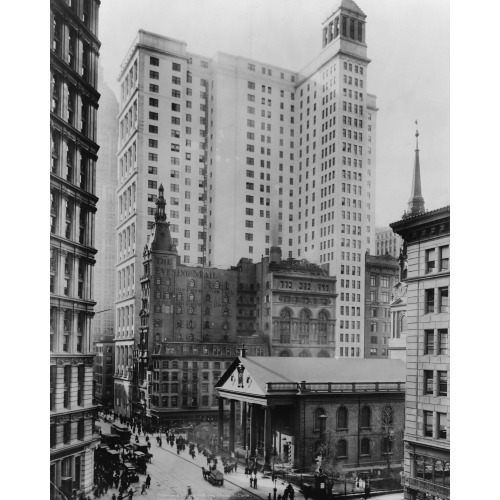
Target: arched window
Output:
[(207, 297), (191, 283), (158, 294), (157, 338), (225, 326), (342, 448), (304, 354), (179, 295), (191, 296), (206, 325), (157, 308), (342, 418), (285, 354), (366, 415), (322, 327), (268, 285), (179, 323), (365, 446), (190, 310), (285, 326), (317, 413), (207, 311), (323, 354), (167, 281), (158, 281), (217, 284), (419, 467), (179, 309), (304, 321)]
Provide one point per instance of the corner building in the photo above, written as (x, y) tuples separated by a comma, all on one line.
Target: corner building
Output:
[(425, 269), (250, 156), (74, 54)]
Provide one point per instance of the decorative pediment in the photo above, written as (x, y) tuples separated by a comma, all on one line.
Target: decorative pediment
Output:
[(240, 380)]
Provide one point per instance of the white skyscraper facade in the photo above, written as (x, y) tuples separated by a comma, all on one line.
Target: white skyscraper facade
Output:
[(250, 156)]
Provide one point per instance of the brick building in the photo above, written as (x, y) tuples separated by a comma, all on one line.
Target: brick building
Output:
[(380, 277), (283, 402)]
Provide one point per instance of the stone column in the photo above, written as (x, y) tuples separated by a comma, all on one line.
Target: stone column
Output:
[(253, 429), (232, 418), (221, 424), (268, 436), (244, 424)]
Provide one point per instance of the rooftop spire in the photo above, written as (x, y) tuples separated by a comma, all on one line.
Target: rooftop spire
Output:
[(416, 203), (160, 215)]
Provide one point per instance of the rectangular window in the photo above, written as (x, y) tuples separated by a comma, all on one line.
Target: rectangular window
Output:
[(441, 422), (443, 299), (153, 102), (154, 88), (443, 342), (429, 301), (428, 382), (443, 383), (152, 184), (430, 260), (444, 258), (154, 61), (154, 75), (153, 170), (428, 423), (429, 342), (176, 67)]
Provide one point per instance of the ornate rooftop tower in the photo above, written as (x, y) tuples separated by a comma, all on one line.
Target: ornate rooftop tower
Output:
[(416, 203)]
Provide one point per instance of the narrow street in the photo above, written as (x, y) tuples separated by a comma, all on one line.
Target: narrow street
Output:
[(171, 474)]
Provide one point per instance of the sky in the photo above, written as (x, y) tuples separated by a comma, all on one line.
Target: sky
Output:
[(408, 44)]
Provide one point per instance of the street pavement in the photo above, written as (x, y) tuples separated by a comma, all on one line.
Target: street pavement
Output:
[(171, 474)]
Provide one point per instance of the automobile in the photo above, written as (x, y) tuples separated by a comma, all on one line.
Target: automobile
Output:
[(140, 461), (131, 472), (143, 448), (110, 439), (123, 432), (216, 478)]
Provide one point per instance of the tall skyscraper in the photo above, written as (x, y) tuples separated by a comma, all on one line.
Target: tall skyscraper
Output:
[(250, 156), (73, 62), (105, 219)]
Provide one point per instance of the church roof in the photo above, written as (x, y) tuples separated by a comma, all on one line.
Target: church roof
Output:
[(349, 5), (313, 370)]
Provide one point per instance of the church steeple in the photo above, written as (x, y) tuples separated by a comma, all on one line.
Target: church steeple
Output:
[(160, 215), (416, 203)]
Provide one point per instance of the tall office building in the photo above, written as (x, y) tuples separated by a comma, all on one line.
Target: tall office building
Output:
[(250, 156), (425, 266), (387, 242), (105, 219), (74, 97)]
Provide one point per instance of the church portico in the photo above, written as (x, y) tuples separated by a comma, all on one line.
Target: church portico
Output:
[(282, 411)]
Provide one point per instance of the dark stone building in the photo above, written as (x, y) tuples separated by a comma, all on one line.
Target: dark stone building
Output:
[(104, 349), (381, 274), (283, 403)]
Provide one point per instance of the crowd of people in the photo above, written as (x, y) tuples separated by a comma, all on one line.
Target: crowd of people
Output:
[(111, 474)]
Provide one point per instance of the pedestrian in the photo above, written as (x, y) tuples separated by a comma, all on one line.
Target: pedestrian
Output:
[(189, 493), (143, 490), (148, 481), (255, 483), (279, 497), (120, 496), (131, 492), (113, 497), (269, 496), (246, 471), (251, 482)]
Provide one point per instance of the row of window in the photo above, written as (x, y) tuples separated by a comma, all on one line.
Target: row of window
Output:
[(68, 274), (68, 338), (443, 264), (441, 305)]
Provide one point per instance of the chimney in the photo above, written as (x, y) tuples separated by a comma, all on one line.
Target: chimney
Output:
[(275, 255)]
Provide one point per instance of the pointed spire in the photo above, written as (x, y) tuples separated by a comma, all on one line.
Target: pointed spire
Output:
[(160, 215), (416, 203)]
